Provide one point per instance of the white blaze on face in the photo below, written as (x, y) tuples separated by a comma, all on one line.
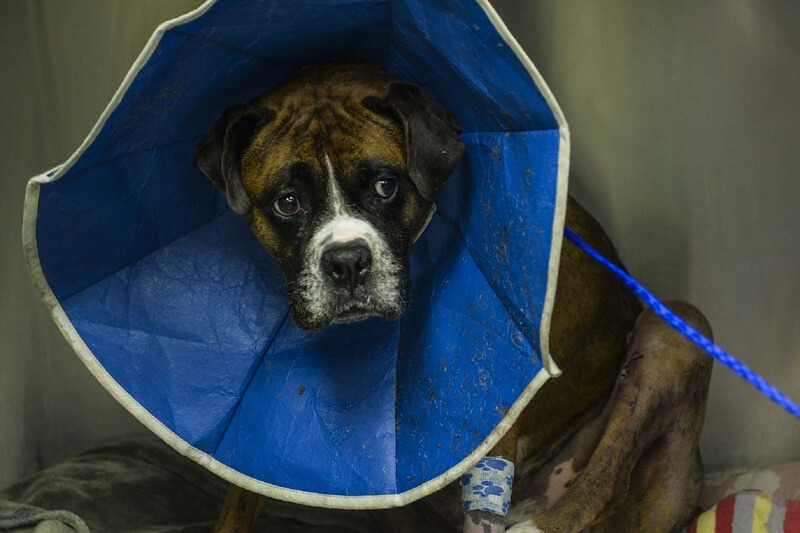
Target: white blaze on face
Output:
[(342, 227), (347, 230), (381, 291)]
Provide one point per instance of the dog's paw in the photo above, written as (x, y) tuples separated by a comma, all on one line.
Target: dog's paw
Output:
[(524, 527)]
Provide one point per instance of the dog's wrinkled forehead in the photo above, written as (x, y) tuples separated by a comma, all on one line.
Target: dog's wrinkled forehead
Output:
[(353, 113), (324, 126)]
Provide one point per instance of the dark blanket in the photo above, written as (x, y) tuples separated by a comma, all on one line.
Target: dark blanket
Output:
[(143, 486)]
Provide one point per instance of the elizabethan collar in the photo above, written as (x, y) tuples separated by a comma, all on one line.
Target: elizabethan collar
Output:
[(171, 302)]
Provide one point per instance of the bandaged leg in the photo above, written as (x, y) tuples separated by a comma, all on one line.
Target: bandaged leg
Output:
[(486, 494)]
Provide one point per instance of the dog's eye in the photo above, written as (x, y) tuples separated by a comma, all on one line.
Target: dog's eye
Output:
[(386, 187), (287, 205)]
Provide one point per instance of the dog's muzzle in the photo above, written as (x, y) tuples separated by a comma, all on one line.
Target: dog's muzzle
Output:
[(350, 273)]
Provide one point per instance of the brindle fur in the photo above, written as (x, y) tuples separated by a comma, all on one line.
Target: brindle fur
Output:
[(340, 111)]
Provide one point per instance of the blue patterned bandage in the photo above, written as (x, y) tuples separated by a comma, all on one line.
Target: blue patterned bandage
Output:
[(487, 486)]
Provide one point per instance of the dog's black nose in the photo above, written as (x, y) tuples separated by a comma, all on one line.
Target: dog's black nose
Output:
[(347, 265)]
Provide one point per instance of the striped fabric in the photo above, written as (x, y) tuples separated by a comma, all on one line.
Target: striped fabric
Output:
[(749, 512)]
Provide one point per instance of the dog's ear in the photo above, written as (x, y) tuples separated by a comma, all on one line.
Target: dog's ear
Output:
[(433, 145), (218, 152)]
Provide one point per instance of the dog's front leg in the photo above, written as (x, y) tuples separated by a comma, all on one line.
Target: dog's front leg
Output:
[(644, 474), (486, 488), (240, 511)]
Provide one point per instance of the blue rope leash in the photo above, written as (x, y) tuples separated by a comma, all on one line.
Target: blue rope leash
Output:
[(688, 331)]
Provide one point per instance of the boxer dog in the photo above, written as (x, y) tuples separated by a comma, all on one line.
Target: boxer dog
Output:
[(337, 171)]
